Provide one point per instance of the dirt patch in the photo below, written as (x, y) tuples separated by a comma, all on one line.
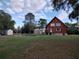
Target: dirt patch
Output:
[(50, 50)]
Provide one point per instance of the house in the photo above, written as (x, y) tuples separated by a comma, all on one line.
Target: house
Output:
[(55, 26)]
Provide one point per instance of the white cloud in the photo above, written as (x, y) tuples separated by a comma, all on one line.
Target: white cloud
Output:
[(48, 9), (40, 15), (21, 17), (17, 5), (34, 5), (9, 10), (62, 15)]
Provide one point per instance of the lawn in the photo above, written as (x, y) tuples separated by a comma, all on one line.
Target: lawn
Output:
[(39, 47)]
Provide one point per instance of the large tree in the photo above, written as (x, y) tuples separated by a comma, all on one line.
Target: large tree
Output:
[(66, 5), (5, 21), (42, 23), (29, 23), (30, 18)]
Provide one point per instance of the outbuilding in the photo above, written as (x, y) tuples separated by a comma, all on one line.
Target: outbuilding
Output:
[(8, 32)]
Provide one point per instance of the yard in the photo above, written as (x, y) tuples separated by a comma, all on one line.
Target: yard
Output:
[(39, 47)]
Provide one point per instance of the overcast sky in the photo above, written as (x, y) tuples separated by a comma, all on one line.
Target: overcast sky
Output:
[(41, 9)]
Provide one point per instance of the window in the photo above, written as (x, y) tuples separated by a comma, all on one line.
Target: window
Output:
[(55, 24), (58, 24), (52, 24)]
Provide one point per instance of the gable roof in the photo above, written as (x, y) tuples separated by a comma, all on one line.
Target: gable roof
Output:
[(53, 20)]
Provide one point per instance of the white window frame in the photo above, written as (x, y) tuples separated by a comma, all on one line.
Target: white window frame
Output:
[(58, 24), (52, 24)]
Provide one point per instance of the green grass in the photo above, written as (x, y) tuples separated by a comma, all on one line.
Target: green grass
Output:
[(39, 47)]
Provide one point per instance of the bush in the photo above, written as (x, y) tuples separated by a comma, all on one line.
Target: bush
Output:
[(73, 31)]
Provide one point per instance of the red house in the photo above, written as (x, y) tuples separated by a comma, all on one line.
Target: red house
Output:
[(56, 26)]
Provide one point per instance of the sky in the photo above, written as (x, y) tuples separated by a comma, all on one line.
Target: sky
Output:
[(41, 9)]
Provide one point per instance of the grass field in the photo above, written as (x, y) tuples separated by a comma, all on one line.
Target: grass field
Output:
[(39, 47)]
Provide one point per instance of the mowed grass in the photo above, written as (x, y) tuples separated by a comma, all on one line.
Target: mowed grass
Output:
[(39, 47)]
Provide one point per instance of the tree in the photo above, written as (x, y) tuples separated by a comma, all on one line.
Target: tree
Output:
[(75, 13), (5, 21), (66, 5), (71, 25), (29, 23), (26, 28), (30, 18), (19, 29), (42, 23)]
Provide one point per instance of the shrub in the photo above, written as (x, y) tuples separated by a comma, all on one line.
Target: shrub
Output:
[(73, 31)]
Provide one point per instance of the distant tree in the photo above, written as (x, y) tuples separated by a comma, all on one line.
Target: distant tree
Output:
[(6, 21), (29, 23), (71, 25), (72, 28), (27, 28), (75, 13), (42, 23), (67, 5), (19, 29), (30, 18)]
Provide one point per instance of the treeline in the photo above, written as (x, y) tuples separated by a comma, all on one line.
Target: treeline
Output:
[(73, 28), (30, 24)]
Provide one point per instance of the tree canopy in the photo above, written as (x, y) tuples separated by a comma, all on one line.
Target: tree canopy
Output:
[(6, 21), (29, 23), (66, 5), (30, 17), (42, 23)]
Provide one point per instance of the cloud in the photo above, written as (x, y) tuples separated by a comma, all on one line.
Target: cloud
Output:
[(9, 10), (27, 5), (62, 15), (34, 5), (21, 17), (1, 4), (17, 5)]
